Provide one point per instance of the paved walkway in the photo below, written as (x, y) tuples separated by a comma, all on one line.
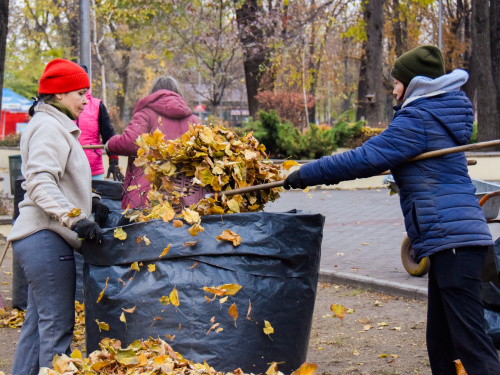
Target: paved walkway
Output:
[(362, 238)]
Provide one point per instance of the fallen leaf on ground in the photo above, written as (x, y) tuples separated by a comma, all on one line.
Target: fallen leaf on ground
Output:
[(306, 369)]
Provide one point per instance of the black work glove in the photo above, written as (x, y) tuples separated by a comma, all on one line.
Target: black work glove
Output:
[(100, 210), (293, 181), (88, 230), (114, 170)]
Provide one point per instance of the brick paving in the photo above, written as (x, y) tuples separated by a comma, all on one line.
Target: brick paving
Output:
[(361, 238)]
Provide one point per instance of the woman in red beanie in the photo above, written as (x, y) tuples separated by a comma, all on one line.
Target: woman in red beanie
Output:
[(53, 215)]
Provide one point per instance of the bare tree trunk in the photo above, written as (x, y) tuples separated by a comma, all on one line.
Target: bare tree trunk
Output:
[(399, 30), (371, 68), (362, 86), (485, 15), (252, 39), (4, 18)]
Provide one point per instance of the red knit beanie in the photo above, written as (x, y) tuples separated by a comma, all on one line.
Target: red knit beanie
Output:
[(62, 76)]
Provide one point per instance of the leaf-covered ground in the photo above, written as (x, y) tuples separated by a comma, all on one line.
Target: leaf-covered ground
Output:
[(384, 335)]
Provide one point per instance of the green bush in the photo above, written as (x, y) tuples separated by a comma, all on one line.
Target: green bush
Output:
[(11, 140), (284, 140)]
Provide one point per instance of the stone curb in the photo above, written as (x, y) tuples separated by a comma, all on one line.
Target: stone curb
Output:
[(376, 285)]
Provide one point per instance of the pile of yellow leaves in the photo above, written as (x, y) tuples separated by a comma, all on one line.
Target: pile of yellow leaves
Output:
[(12, 318), (214, 158), (79, 331), (153, 356)]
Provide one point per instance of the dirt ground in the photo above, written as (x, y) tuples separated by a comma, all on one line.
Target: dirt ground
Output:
[(383, 335)]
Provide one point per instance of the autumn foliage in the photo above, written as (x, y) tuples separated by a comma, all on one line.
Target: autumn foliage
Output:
[(288, 105)]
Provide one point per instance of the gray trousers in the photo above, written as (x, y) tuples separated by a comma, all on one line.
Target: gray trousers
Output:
[(48, 263)]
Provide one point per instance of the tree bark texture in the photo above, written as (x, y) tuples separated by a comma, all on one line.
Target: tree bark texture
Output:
[(374, 99), (4, 18), (485, 15), (252, 40)]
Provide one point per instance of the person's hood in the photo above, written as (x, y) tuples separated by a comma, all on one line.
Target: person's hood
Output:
[(421, 86), (166, 103), (444, 88)]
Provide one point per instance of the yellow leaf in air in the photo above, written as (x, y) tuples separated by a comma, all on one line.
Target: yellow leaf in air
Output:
[(231, 289), (130, 311), (249, 310), (233, 205), (222, 300), (286, 165), (76, 354), (191, 216), (135, 266), (120, 234), (164, 300), (268, 329), (74, 212), (195, 229), (174, 297), (122, 318), (459, 367), (190, 243), (146, 240), (233, 311), (126, 210), (217, 291), (151, 267), (306, 369), (383, 355), (133, 187), (338, 310), (219, 329), (177, 223), (230, 236), (102, 291), (165, 251), (102, 325)]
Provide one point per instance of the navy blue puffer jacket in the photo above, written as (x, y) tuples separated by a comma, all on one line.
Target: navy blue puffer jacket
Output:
[(437, 195)]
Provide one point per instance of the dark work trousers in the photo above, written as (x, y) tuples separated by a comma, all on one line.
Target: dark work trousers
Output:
[(455, 321), (48, 263)]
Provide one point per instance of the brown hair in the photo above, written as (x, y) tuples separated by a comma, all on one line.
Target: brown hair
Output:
[(166, 83), (46, 98)]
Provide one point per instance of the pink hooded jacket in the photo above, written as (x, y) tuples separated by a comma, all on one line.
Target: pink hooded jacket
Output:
[(164, 110)]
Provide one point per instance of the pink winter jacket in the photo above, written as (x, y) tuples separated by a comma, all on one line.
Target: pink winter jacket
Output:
[(164, 110)]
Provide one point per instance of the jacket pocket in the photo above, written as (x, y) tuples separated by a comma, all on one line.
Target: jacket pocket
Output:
[(412, 224)]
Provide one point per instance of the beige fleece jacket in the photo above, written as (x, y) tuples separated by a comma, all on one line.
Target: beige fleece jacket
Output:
[(57, 174)]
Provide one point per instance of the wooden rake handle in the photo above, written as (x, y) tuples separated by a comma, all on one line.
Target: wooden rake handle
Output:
[(425, 155)]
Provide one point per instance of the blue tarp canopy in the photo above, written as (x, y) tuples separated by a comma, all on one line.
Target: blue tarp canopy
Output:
[(14, 102)]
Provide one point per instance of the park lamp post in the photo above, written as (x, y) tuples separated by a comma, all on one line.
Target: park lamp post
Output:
[(85, 35)]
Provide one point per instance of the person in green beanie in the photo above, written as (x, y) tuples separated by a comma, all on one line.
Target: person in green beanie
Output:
[(443, 219)]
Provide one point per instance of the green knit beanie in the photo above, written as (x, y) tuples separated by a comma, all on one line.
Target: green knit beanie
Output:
[(421, 61)]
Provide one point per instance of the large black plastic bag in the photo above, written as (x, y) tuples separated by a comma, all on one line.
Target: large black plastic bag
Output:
[(111, 195), (277, 265)]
